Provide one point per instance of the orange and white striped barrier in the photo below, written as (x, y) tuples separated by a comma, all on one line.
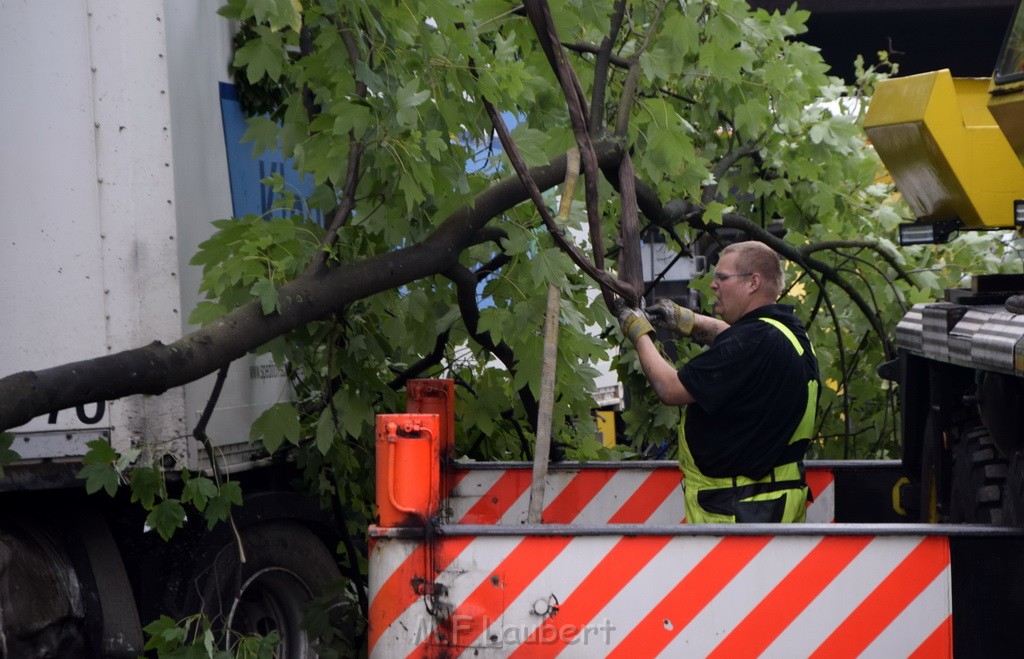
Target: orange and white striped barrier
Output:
[(648, 592), (612, 571), (595, 493)]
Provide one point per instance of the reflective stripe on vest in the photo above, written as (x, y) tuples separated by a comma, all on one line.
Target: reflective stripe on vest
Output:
[(806, 425)]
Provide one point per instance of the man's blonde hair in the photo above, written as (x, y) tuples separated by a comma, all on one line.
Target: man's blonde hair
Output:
[(753, 256)]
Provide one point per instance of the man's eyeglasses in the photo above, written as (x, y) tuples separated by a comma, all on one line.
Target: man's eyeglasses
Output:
[(718, 276)]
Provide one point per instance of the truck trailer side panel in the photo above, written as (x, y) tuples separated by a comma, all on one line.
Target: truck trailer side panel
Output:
[(90, 259)]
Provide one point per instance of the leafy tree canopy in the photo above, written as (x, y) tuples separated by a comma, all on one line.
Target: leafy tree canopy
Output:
[(439, 136)]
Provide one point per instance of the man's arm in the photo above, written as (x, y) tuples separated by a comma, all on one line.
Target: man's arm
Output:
[(659, 371), (684, 322), (706, 329), (661, 374)]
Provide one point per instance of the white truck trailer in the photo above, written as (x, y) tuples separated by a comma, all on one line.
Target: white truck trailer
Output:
[(120, 138)]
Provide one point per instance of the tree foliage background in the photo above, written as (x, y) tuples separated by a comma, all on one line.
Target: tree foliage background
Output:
[(698, 119), (721, 121)]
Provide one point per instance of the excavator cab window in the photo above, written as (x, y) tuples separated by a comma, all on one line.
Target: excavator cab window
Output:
[(1010, 66)]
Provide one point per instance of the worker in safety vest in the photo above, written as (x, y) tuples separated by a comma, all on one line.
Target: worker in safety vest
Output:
[(749, 399)]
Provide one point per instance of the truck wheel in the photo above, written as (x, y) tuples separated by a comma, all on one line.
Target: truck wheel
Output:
[(979, 474), (1014, 491), (285, 567)]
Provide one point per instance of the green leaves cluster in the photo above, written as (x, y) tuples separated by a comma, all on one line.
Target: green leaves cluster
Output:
[(249, 258), (104, 469), (194, 638), (730, 112)]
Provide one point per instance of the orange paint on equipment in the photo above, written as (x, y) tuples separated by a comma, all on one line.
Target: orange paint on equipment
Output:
[(603, 583), (571, 501), (818, 480), (396, 595), (888, 600), (497, 500), (791, 596), (655, 489), (435, 397), (511, 577), (408, 468), (939, 644), (691, 595)]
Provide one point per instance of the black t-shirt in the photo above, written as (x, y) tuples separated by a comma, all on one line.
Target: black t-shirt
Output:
[(750, 388)]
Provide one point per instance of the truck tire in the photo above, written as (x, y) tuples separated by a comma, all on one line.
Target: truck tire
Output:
[(285, 567), (979, 476), (1013, 493)]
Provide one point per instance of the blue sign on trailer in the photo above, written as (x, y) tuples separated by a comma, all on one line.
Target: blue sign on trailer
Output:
[(250, 195)]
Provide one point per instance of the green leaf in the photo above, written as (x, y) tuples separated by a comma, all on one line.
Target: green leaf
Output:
[(100, 452), (126, 459), (263, 133), (682, 35), (166, 517), (713, 212), (355, 411), (276, 424), (99, 477), (551, 267), (198, 491), (261, 57), (325, 431), (354, 117), (218, 507), (265, 290), (278, 13), (164, 634), (98, 470), (147, 484), (530, 143), (407, 99), (819, 133), (7, 455), (206, 312)]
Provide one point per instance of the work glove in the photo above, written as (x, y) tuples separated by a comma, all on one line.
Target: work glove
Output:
[(634, 323), (671, 316)]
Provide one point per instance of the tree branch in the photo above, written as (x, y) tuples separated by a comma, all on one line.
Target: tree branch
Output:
[(724, 164), (352, 174), (539, 14), (603, 279), (604, 56), (155, 368), (875, 246), (465, 285)]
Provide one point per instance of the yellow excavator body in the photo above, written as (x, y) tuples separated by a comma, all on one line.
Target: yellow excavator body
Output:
[(946, 151)]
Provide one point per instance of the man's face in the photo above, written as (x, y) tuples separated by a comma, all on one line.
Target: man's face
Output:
[(731, 288)]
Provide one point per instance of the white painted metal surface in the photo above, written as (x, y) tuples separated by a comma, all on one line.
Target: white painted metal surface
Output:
[(113, 168), (89, 263)]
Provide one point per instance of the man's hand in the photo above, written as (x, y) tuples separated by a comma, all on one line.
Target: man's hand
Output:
[(634, 324), (671, 316)]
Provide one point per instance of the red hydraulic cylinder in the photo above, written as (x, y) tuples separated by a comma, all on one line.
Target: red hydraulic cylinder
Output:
[(408, 468)]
